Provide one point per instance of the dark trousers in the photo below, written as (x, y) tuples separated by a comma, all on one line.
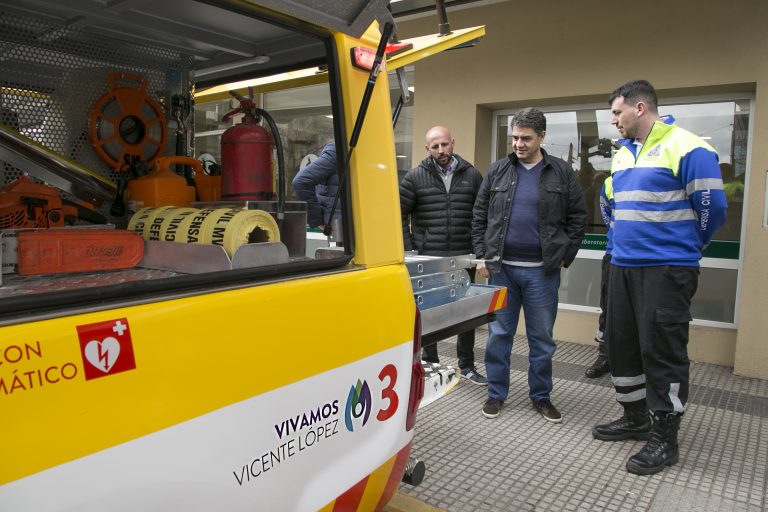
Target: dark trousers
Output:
[(647, 325), (465, 343), (605, 270)]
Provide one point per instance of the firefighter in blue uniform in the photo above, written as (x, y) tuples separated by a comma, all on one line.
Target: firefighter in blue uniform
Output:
[(669, 200)]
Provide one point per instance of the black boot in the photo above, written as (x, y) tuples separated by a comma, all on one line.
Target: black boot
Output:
[(661, 450), (600, 366), (635, 424)]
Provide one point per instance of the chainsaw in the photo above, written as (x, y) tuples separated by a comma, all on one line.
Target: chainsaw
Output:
[(25, 204)]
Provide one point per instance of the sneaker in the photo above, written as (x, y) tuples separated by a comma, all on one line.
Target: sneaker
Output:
[(474, 377), (492, 407), (548, 410)]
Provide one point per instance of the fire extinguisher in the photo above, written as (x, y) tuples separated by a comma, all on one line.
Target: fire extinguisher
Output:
[(246, 155)]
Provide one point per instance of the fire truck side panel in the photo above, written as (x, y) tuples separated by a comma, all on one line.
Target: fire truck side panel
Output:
[(214, 397)]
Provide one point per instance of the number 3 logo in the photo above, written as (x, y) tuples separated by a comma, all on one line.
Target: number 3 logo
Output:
[(388, 393)]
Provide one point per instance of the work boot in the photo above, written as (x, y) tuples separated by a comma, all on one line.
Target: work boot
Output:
[(635, 424), (600, 366), (661, 450)]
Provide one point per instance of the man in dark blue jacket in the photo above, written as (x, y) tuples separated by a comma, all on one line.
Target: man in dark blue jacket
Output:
[(529, 219), (317, 184)]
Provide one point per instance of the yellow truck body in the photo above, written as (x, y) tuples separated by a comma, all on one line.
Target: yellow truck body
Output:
[(223, 390)]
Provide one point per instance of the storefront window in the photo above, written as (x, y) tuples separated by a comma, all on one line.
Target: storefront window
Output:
[(584, 137)]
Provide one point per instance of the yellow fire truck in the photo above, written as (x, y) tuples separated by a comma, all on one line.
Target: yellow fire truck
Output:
[(142, 369)]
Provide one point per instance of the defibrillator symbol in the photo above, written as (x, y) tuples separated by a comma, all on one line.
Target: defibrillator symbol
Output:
[(106, 348)]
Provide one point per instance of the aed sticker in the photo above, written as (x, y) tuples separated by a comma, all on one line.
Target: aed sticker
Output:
[(106, 348)]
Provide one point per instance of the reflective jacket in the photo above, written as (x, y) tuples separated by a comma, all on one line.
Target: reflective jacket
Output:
[(562, 212), (669, 199), (606, 212)]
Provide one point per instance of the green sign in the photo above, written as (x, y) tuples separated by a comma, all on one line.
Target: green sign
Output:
[(594, 242)]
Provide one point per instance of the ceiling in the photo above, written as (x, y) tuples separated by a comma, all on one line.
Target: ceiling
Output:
[(224, 43)]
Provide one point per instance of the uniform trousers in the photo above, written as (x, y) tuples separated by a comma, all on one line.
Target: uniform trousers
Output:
[(647, 327)]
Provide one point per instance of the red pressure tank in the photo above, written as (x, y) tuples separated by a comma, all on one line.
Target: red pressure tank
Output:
[(246, 158)]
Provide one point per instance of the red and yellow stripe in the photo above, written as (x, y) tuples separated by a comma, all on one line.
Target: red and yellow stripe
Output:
[(498, 301), (374, 491)]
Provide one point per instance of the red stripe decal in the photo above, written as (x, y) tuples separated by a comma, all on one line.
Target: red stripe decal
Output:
[(395, 476), (494, 300), (349, 501)]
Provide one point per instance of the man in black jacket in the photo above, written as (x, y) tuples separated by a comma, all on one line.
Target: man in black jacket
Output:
[(436, 201), (529, 219)]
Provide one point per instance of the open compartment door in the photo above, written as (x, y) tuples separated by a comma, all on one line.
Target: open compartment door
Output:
[(422, 47)]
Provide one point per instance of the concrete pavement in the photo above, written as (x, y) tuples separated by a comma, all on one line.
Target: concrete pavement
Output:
[(519, 461)]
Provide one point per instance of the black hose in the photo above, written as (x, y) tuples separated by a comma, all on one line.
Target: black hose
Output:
[(280, 165), (385, 35)]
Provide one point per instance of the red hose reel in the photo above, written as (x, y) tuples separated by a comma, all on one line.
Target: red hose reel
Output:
[(126, 124)]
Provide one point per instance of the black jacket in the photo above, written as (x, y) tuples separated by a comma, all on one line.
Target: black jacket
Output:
[(562, 212), (436, 221)]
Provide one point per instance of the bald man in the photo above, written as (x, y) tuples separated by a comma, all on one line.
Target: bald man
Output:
[(436, 200)]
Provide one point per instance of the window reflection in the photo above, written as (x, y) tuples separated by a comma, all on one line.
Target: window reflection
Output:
[(404, 127)]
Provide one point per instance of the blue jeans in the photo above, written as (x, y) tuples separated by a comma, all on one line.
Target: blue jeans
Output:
[(536, 292)]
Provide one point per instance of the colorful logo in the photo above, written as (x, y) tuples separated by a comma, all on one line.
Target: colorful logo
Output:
[(106, 348), (358, 405)]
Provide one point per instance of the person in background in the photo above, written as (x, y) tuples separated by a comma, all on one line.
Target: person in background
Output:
[(600, 367), (734, 194), (436, 200), (668, 202), (317, 184), (529, 220)]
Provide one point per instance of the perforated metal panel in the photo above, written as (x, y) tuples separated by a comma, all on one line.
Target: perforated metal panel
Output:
[(52, 75)]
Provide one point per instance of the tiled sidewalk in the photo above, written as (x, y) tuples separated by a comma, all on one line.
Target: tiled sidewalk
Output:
[(519, 461)]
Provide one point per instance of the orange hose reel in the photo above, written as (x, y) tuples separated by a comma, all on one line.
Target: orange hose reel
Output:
[(126, 124)]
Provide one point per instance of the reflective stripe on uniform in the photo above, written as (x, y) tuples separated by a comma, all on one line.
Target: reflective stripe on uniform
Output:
[(704, 184), (634, 396), (674, 391), (652, 197), (654, 216), (629, 381)]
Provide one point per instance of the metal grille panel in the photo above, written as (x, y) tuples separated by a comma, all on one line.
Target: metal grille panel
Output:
[(52, 74)]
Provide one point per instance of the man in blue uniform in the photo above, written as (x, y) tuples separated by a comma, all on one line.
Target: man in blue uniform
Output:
[(668, 202)]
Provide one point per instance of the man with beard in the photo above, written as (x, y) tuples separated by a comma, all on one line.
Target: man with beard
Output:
[(436, 200)]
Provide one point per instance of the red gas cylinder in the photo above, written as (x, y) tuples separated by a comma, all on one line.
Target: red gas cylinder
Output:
[(246, 159)]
